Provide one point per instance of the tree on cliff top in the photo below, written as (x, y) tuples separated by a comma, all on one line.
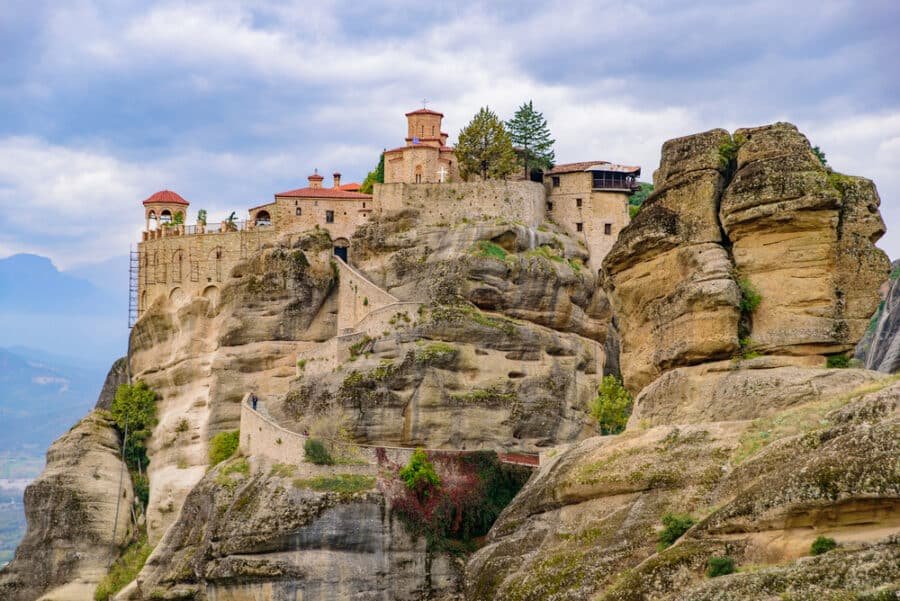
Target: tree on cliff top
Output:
[(376, 176), (531, 136), (485, 148)]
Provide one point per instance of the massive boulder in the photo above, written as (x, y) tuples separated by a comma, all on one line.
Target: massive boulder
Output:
[(251, 530), (804, 237), (669, 275), (79, 517), (734, 217)]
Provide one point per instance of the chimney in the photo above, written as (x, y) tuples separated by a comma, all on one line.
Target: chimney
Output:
[(315, 180), (337, 180)]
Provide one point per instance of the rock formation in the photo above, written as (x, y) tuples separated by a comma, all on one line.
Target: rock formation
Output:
[(78, 514), (737, 422), (735, 216), (880, 347), (264, 535), (749, 266)]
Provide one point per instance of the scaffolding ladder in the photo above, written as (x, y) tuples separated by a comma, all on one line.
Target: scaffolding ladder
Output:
[(133, 275)]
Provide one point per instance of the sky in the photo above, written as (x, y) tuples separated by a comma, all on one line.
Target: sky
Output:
[(103, 103)]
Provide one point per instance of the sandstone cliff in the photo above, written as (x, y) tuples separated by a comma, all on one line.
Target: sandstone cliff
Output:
[(712, 266), (880, 347), (79, 517), (748, 264)]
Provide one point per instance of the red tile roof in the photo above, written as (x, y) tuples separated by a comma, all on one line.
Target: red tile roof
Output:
[(592, 166), (166, 196), (315, 176), (351, 187), (424, 112), (325, 193)]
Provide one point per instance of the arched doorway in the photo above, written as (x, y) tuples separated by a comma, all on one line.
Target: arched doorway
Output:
[(341, 248), (211, 293), (263, 219)]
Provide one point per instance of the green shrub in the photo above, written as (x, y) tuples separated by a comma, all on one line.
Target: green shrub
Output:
[(134, 408), (316, 452), (346, 484), (674, 526), (489, 249), (183, 425), (141, 485), (719, 566), (612, 406), (633, 210), (419, 474), (750, 297), (124, 569), (822, 544), (838, 361), (223, 445)]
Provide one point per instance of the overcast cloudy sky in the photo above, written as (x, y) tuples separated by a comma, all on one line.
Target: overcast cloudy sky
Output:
[(104, 102)]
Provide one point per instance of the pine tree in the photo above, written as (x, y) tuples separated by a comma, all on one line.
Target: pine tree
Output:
[(484, 148), (531, 136), (375, 176)]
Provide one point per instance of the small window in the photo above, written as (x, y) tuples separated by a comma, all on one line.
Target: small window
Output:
[(607, 229), (578, 202), (549, 206), (364, 205), (579, 227), (329, 216), (299, 211), (556, 181)]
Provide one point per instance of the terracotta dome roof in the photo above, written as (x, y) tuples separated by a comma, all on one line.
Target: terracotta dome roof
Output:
[(424, 111), (166, 196), (315, 176)]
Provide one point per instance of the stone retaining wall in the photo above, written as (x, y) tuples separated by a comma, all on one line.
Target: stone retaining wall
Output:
[(449, 203), (357, 297)]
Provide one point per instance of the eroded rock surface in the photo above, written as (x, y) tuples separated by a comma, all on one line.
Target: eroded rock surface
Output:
[(72, 517), (756, 211), (258, 535), (586, 526)]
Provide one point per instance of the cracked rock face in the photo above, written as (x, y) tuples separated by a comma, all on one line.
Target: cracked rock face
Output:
[(260, 536), (71, 512), (756, 209)]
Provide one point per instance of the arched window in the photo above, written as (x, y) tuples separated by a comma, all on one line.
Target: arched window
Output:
[(418, 174), (263, 218), (165, 216), (177, 265)]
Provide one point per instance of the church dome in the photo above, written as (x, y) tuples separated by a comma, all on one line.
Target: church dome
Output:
[(166, 197)]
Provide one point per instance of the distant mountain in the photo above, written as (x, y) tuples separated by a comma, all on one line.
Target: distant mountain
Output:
[(41, 307), (39, 400)]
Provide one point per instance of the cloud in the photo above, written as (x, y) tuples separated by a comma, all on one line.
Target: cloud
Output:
[(228, 102)]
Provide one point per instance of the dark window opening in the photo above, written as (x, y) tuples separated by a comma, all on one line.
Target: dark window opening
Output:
[(607, 229), (579, 227), (549, 206), (364, 205), (329, 216), (556, 181), (299, 211), (578, 202)]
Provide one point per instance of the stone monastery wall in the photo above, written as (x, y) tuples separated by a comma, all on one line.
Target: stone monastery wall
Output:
[(445, 204), (179, 267)]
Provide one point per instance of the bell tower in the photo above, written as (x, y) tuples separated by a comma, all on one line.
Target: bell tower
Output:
[(163, 207), (424, 127)]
